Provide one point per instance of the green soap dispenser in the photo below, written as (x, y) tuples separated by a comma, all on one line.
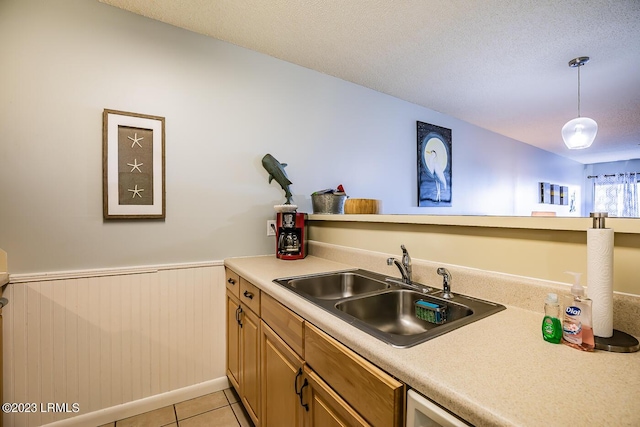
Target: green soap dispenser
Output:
[(551, 324)]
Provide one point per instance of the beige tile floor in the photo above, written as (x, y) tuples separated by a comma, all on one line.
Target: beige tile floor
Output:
[(219, 409)]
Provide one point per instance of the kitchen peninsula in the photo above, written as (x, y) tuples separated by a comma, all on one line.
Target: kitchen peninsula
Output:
[(497, 371)]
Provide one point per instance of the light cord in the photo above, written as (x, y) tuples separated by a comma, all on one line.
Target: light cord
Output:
[(579, 65)]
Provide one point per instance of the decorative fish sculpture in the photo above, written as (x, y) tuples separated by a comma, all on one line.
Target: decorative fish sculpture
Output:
[(276, 171)]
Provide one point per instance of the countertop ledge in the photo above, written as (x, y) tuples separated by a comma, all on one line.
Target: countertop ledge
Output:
[(621, 225), (497, 371)]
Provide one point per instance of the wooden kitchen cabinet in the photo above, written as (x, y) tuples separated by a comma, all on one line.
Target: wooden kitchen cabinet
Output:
[(250, 363), (243, 342), (233, 328), (282, 362), (374, 394), (233, 341), (232, 282), (284, 322), (250, 296), (290, 373), (325, 407), (281, 378), (294, 395)]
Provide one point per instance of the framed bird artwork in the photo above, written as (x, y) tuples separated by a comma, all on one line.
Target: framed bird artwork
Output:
[(434, 165)]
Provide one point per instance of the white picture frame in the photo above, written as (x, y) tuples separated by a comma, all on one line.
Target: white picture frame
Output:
[(133, 165)]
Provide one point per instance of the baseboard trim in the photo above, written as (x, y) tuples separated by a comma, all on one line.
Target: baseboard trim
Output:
[(129, 409)]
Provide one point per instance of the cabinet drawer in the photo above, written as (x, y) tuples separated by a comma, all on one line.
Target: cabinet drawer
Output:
[(233, 282), (326, 408), (250, 295), (288, 325), (377, 396)]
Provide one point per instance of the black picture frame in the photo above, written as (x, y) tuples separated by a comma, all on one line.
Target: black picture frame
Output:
[(435, 165)]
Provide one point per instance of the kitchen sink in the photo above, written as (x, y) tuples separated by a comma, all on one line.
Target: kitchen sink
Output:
[(338, 285), (385, 308), (394, 312)]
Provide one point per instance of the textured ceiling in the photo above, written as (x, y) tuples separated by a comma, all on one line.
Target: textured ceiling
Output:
[(499, 64)]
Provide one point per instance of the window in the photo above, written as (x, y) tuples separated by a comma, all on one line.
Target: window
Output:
[(616, 194)]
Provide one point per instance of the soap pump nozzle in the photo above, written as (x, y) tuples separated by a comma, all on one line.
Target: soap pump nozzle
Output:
[(577, 288)]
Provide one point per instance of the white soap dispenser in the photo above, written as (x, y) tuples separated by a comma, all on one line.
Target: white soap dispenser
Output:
[(577, 330)]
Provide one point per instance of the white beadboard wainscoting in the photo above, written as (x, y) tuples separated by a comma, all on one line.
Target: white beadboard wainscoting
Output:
[(111, 338)]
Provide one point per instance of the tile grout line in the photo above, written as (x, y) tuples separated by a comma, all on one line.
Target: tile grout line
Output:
[(235, 415), (175, 412), (231, 407)]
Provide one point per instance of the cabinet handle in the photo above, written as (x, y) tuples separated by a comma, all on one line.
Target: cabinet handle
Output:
[(231, 281), (238, 313), (304, 405), (248, 294), (299, 393), (295, 382)]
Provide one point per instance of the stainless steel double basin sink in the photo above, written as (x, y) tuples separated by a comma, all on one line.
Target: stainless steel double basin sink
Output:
[(386, 308)]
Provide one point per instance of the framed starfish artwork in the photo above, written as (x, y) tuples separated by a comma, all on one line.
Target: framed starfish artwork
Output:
[(133, 163)]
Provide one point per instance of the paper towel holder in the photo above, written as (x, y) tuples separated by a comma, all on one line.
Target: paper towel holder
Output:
[(598, 219), (619, 342)]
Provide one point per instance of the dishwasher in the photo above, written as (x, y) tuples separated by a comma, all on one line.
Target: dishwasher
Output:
[(422, 412)]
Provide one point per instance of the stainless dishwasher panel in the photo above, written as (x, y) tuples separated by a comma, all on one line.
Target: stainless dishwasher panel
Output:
[(421, 412)]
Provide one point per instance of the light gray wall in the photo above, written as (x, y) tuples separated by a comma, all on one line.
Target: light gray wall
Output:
[(622, 166), (63, 62)]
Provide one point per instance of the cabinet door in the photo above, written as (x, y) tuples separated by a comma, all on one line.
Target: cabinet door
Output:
[(326, 407), (250, 362), (281, 377), (233, 341), (376, 395)]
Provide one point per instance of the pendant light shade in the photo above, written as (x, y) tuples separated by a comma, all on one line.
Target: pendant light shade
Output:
[(581, 131)]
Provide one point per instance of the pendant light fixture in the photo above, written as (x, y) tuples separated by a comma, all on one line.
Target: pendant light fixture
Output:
[(581, 131)]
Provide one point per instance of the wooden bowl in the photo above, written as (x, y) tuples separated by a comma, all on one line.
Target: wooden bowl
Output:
[(362, 206)]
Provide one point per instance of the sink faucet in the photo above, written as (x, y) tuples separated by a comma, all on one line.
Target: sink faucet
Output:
[(446, 283), (405, 267)]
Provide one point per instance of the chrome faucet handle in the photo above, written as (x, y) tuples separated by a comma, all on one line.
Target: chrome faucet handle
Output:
[(406, 261), (446, 282), (405, 255)]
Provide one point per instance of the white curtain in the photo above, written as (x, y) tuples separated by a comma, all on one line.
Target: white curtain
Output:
[(616, 194)]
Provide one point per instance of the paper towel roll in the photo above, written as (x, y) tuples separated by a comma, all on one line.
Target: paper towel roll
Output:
[(600, 279)]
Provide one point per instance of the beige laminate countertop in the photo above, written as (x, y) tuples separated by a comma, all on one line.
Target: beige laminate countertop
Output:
[(497, 371)]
